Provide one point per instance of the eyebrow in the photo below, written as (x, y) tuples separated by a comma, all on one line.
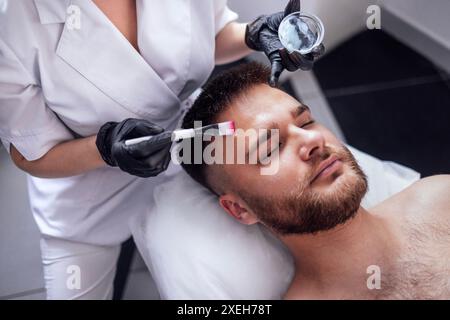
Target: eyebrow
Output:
[(299, 110), (263, 137), (296, 112)]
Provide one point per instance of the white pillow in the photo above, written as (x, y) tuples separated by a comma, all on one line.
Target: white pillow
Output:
[(195, 250)]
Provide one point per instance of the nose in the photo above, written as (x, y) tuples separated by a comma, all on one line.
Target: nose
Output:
[(310, 142)]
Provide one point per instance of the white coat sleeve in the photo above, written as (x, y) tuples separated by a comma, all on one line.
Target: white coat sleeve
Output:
[(223, 15), (25, 120)]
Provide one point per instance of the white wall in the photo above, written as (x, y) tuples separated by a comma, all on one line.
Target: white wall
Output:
[(341, 18)]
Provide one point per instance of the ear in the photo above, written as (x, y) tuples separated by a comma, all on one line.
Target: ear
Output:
[(238, 209)]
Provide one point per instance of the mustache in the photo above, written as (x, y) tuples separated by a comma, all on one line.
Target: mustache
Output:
[(342, 153)]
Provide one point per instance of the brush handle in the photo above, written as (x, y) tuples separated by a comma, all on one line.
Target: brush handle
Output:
[(134, 141), (175, 136), (218, 129), (131, 142)]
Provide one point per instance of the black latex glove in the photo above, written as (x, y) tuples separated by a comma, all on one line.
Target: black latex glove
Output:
[(262, 35), (145, 159)]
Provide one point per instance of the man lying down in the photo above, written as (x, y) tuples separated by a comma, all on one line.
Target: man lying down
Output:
[(312, 202)]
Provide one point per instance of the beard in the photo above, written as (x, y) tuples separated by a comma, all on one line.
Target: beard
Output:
[(304, 210)]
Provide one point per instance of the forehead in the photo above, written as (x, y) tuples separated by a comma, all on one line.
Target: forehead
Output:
[(261, 105)]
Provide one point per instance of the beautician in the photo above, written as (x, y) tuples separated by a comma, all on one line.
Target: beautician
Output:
[(78, 78)]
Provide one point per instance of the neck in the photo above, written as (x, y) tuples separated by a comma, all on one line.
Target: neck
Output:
[(343, 254)]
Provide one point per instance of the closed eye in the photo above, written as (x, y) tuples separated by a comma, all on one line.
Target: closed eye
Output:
[(308, 123)]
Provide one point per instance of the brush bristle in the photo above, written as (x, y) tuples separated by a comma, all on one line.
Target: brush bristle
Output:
[(226, 128)]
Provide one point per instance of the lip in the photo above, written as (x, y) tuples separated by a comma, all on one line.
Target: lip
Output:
[(326, 164)]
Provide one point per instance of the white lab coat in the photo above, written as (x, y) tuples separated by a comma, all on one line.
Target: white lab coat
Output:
[(58, 83)]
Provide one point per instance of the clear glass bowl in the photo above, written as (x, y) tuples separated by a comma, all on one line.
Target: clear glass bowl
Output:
[(301, 32)]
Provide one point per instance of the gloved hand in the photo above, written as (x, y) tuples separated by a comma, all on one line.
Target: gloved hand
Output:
[(145, 159), (262, 35)]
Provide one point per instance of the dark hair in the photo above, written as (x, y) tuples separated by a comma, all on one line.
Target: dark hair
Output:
[(218, 94)]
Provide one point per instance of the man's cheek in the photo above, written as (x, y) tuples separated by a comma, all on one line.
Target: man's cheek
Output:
[(330, 137), (285, 175), (245, 175)]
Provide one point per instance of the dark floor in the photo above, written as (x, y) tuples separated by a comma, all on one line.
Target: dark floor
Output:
[(389, 101)]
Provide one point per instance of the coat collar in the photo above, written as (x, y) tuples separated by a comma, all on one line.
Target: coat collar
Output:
[(52, 11), (102, 55)]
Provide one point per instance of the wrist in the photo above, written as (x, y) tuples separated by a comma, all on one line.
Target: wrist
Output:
[(247, 37), (96, 157), (252, 31), (103, 143)]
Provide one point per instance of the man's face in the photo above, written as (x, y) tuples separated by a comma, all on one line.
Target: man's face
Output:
[(318, 184)]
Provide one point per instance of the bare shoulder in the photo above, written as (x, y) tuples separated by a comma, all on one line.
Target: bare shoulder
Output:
[(432, 194), (437, 179), (436, 187)]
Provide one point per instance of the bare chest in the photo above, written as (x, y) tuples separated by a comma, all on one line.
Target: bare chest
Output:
[(422, 271), (123, 15)]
